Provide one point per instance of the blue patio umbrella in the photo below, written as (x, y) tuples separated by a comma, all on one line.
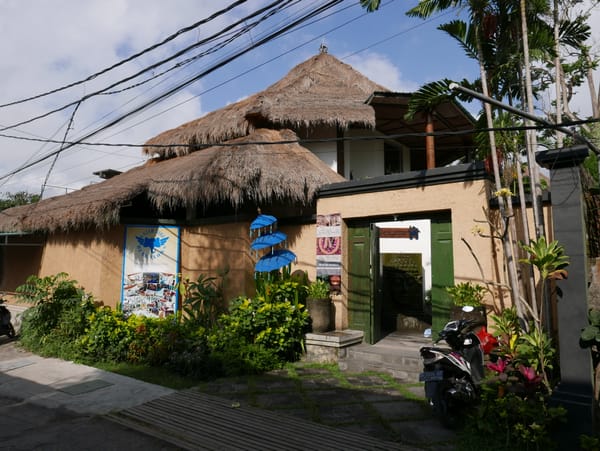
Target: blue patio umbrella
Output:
[(262, 221), (275, 260), (270, 239)]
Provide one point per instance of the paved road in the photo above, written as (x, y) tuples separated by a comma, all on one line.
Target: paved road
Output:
[(35, 416)]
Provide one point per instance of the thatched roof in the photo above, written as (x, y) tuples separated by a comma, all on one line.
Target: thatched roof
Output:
[(319, 91), (249, 169), (94, 205)]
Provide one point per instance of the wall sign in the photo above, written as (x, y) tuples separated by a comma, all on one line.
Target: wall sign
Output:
[(329, 246), (150, 268)]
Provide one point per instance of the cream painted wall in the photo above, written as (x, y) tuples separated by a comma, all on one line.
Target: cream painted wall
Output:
[(465, 201), (94, 259), (209, 249)]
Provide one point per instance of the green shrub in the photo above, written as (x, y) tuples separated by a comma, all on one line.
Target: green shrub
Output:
[(202, 301), (270, 329), (507, 420), (58, 316), (319, 289), (238, 357), (514, 405), (152, 340), (107, 337), (467, 294)]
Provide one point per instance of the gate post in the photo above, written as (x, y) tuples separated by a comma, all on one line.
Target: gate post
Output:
[(575, 391)]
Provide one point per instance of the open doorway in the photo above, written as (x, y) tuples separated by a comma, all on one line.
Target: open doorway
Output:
[(404, 282)]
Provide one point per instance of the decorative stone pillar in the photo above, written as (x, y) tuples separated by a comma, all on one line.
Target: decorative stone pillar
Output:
[(575, 390)]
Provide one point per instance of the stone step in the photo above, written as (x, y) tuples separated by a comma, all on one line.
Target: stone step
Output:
[(397, 355)]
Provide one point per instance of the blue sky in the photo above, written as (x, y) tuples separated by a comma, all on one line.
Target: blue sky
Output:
[(47, 44)]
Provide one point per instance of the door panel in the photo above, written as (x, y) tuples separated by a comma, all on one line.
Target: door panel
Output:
[(442, 271), (359, 281), (376, 288)]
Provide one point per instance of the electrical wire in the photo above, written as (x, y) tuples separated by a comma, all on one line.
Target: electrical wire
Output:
[(132, 57), (378, 137), (223, 62), (146, 69)]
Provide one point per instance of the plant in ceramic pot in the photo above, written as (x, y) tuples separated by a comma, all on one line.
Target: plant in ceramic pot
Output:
[(319, 306), (468, 301)]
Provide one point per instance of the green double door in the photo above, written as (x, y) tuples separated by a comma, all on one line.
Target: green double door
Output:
[(366, 290)]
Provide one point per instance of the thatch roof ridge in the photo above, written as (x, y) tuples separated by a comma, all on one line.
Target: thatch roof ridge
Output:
[(319, 91)]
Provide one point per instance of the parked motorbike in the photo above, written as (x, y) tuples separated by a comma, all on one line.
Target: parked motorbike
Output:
[(6, 327), (453, 375)]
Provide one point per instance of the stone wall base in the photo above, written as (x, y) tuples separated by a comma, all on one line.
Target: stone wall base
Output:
[(329, 347)]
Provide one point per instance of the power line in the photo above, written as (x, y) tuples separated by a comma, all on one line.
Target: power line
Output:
[(152, 66), (378, 137), (132, 57), (182, 85)]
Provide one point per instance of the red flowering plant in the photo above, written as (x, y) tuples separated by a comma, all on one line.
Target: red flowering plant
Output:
[(513, 404), (522, 360)]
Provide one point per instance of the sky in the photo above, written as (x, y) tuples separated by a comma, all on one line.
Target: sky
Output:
[(51, 44)]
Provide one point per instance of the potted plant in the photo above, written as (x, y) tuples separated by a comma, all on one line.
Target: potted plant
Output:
[(319, 306), (468, 301)]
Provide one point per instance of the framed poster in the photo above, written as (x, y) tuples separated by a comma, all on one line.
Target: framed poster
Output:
[(329, 246), (150, 268)]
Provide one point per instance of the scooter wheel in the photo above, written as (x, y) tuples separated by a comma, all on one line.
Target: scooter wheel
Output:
[(11, 331)]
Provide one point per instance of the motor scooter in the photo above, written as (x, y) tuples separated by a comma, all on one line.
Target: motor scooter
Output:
[(452, 375), (6, 327)]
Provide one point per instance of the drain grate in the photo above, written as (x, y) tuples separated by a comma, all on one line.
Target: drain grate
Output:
[(85, 387)]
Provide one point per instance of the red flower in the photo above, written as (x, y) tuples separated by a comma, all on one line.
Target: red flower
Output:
[(499, 366), (487, 340), (531, 377)]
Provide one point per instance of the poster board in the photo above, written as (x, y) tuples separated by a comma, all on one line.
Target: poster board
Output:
[(150, 270), (329, 246)]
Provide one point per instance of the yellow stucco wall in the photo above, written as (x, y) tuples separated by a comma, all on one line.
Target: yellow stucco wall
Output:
[(93, 258), (476, 258), (213, 249)]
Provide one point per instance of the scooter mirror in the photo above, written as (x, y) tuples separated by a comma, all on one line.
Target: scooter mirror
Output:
[(468, 308)]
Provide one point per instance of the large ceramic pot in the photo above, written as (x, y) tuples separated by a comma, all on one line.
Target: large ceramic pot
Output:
[(319, 310)]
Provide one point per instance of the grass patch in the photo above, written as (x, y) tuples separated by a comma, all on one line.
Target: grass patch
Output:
[(153, 375)]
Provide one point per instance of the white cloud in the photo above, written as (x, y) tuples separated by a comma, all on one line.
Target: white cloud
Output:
[(49, 44), (380, 69)]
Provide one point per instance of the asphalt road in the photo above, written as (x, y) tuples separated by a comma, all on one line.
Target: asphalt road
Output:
[(26, 424)]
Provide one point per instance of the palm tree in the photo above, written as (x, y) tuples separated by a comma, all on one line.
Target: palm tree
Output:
[(478, 28)]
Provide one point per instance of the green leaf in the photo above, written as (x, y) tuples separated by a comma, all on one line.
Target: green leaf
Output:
[(594, 317), (590, 333)]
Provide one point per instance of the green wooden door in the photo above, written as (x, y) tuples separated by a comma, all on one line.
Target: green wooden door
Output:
[(359, 281), (442, 271), (376, 288)]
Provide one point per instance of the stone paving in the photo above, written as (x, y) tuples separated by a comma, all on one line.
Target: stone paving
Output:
[(369, 403)]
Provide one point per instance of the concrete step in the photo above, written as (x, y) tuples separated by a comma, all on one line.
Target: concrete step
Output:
[(397, 354)]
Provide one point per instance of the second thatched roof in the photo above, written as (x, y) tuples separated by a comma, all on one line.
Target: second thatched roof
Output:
[(265, 166), (319, 91)]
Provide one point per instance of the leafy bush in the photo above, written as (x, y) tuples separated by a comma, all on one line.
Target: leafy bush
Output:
[(262, 332), (514, 403), (513, 421), (319, 289), (58, 316), (257, 335), (202, 301), (107, 337), (467, 294)]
